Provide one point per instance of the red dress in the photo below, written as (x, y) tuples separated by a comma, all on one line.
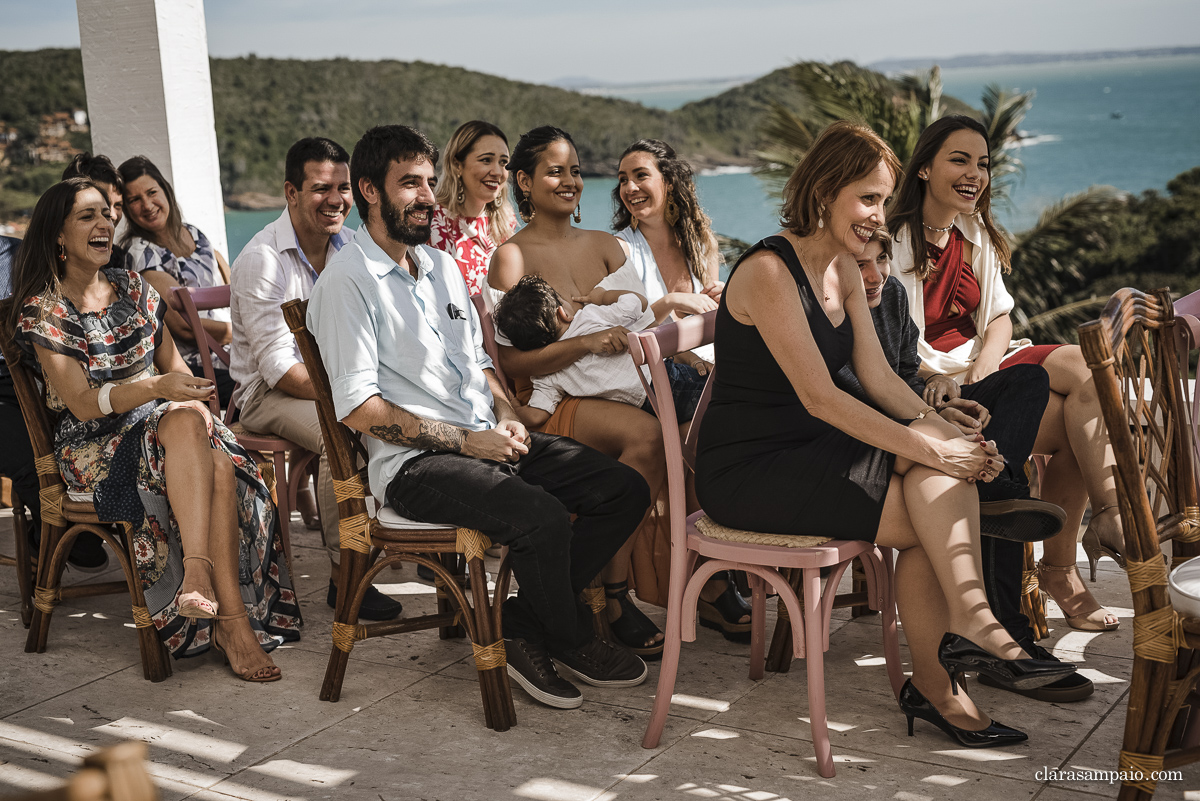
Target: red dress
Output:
[(952, 296)]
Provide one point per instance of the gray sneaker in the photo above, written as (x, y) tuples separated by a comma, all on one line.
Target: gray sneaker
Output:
[(602, 664), (529, 664)]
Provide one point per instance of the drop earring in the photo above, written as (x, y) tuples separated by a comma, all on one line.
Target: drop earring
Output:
[(525, 203), (671, 213), (577, 216), (460, 197), (821, 217)]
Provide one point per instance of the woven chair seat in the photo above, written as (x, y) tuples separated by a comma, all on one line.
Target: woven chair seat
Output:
[(710, 528)]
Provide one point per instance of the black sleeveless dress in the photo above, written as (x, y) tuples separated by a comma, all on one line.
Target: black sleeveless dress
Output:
[(763, 462)]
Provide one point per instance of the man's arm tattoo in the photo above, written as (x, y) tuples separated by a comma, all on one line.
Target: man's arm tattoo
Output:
[(430, 435)]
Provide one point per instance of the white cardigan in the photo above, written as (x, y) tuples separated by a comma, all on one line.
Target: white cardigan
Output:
[(994, 299)]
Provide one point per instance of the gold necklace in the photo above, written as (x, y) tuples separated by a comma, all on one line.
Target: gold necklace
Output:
[(803, 257)]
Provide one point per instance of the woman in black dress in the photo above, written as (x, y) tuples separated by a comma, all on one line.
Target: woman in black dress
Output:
[(782, 450)]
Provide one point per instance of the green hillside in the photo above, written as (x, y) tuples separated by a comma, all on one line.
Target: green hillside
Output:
[(263, 105)]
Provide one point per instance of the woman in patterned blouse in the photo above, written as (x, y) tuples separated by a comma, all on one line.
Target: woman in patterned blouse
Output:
[(473, 216), (171, 253), (134, 430)]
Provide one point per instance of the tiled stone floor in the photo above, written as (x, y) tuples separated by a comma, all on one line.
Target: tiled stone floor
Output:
[(410, 723)]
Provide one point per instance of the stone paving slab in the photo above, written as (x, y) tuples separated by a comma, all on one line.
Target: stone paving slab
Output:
[(410, 724)]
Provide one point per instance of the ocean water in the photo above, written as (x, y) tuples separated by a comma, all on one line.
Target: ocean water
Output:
[(1129, 123)]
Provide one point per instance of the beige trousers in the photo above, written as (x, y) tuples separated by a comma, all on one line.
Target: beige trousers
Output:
[(273, 411)]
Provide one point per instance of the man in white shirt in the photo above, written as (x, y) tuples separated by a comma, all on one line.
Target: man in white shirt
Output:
[(282, 263), (404, 350)]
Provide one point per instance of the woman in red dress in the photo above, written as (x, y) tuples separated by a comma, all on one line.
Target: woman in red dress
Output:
[(473, 216), (950, 256)]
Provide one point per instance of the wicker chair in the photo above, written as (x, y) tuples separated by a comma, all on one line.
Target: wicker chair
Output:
[(63, 519), (372, 544), (1131, 351)]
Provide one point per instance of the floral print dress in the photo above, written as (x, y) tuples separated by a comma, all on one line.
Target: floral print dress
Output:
[(120, 460), (468, 240)]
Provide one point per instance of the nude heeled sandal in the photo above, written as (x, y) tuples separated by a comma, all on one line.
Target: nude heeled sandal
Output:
[(262, 675), (1095, 547), (1078, 617), (193, 604)]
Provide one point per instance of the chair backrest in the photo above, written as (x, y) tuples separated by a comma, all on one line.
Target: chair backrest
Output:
[(1187, 338), (649, 348), (190, 301), (39, 421), (1132, 354), (343, 447), (489, 341)]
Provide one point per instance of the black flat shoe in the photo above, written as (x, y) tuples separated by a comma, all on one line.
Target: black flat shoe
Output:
[(726, 612), (375, 605), (958, 654), (1020, 519), (915, 705)]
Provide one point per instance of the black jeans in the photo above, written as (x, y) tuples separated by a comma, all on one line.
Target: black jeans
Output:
[(1016, 397), (16, 456), (528, 506)]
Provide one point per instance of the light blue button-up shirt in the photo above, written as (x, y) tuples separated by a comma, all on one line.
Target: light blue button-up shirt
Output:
[(415, 341)]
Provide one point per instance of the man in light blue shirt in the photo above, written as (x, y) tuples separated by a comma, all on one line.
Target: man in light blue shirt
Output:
[(404, 352)]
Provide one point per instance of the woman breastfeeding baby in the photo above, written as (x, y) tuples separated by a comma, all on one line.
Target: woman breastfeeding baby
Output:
[(571, 263)]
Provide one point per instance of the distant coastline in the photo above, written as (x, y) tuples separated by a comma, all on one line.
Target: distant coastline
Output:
[(891, 66)]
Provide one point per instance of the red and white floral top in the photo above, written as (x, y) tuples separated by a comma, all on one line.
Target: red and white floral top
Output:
[(466, 239)]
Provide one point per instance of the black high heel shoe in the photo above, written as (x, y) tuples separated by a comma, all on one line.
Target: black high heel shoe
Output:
[(958, 654), (915, 705)]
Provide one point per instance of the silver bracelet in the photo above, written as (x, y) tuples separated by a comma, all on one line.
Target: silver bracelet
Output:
[(102, 399)]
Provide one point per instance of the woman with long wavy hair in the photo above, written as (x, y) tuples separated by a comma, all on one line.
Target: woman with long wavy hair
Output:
[(670, 243), (473, 216), (950, 256), (135, 430), (545, 178)]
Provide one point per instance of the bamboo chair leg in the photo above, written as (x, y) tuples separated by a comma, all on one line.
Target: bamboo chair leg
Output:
[(52, 559), (859, 585), (25, 569), (1033, 605), (779, 656), (593, 596), (156, 662), (489, 655), (454, 563), (350, 574)]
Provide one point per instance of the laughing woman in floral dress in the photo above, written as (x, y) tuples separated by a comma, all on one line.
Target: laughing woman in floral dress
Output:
[(133, 429)]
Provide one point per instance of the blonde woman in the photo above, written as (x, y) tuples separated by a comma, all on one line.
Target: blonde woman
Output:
[(473, 216)]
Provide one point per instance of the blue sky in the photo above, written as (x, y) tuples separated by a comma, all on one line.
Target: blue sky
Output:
[(631, 41)]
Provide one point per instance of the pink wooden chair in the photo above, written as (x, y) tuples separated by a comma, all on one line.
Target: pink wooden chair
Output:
[(760, 555), (189, 301)]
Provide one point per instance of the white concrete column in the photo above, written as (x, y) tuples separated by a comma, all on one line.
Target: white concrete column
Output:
[(145, 68)]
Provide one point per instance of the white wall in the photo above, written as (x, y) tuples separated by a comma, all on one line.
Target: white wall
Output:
[(145, 68)]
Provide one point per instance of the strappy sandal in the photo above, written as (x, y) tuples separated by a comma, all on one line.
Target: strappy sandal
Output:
[(725, 613), (1079, 614), (264, 674), (1096, 546), (193, 604), (632, 627)]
